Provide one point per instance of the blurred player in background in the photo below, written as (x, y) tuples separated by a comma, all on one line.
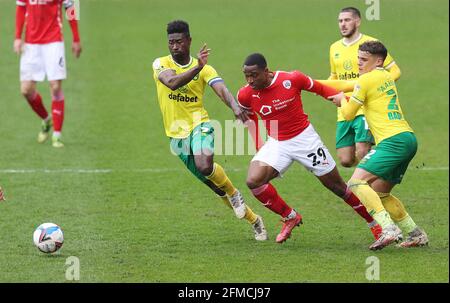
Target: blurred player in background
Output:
[(385, 165), (43, 55), (353, 138), (180, 82), (2, 195), (276, 98)]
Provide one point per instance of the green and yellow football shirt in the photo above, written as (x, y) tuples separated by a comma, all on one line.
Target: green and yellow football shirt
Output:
[(183, 109), (377, 93), (344, 62)]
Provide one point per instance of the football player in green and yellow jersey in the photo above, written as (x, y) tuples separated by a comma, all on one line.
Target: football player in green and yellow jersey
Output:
[(353, 138), (180, 82), (385, 165)]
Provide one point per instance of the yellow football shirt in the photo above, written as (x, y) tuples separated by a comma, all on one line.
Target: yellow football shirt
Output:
[(377, 94), (183, 109), (344, 62)]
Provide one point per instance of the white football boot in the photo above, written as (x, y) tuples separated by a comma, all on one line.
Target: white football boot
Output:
[(260, 230), (389, 235), (238, 204), (416, 238)]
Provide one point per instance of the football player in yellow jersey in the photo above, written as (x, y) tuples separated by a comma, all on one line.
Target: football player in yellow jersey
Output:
[(385, 165), (353, 138), (180, 81)]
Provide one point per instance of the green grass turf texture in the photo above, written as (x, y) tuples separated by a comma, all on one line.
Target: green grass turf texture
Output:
[(148, 219)]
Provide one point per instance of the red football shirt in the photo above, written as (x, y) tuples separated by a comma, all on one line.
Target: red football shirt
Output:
[(44, 20), (280, 104)]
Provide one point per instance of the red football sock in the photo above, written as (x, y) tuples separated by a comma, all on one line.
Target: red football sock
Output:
[(357, 206), (58, 114), (38, 107), (269, 197)]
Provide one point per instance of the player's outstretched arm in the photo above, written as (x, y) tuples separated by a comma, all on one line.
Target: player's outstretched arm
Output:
[(21, 10), (340, 85), (349, 106), (320, 89), (332, 76), (224, 94), (174, 81)]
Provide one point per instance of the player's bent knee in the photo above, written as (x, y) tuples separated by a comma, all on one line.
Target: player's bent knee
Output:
[(56, 86), (205, 169), (347, 162), (27, 91), (361, 153), (253, 183)]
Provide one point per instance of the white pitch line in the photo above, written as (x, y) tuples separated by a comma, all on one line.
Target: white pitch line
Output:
[(409, 169), (53, 171), (138, 170), (434, 168)]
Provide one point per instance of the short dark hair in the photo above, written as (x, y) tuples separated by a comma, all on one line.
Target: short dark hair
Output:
[(178, 26), (352, 10), (256, 59), (375, 48)]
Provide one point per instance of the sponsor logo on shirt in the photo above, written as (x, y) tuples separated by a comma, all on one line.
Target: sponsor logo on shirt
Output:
[(279, 104), (182, 98), (265, 110), (348, 76), (348, 65), (183, 89)]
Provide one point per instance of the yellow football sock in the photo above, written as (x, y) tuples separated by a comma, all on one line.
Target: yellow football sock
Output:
[(226, 201), (370, 200), (220, 179), (398, 212), (250, 216), (407, 225), (393, 206)]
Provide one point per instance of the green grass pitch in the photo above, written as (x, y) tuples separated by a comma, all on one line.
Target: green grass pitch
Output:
[(141, 217)]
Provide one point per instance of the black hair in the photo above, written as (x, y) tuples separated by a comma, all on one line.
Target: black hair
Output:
[(375, 48), (256, 59), (352, 10), (178, 26)]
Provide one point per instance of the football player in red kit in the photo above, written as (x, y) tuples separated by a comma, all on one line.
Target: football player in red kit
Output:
[(276, 98), (42, 55)]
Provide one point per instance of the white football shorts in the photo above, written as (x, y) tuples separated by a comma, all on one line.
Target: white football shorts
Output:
[(306, 148), (39, 60)]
